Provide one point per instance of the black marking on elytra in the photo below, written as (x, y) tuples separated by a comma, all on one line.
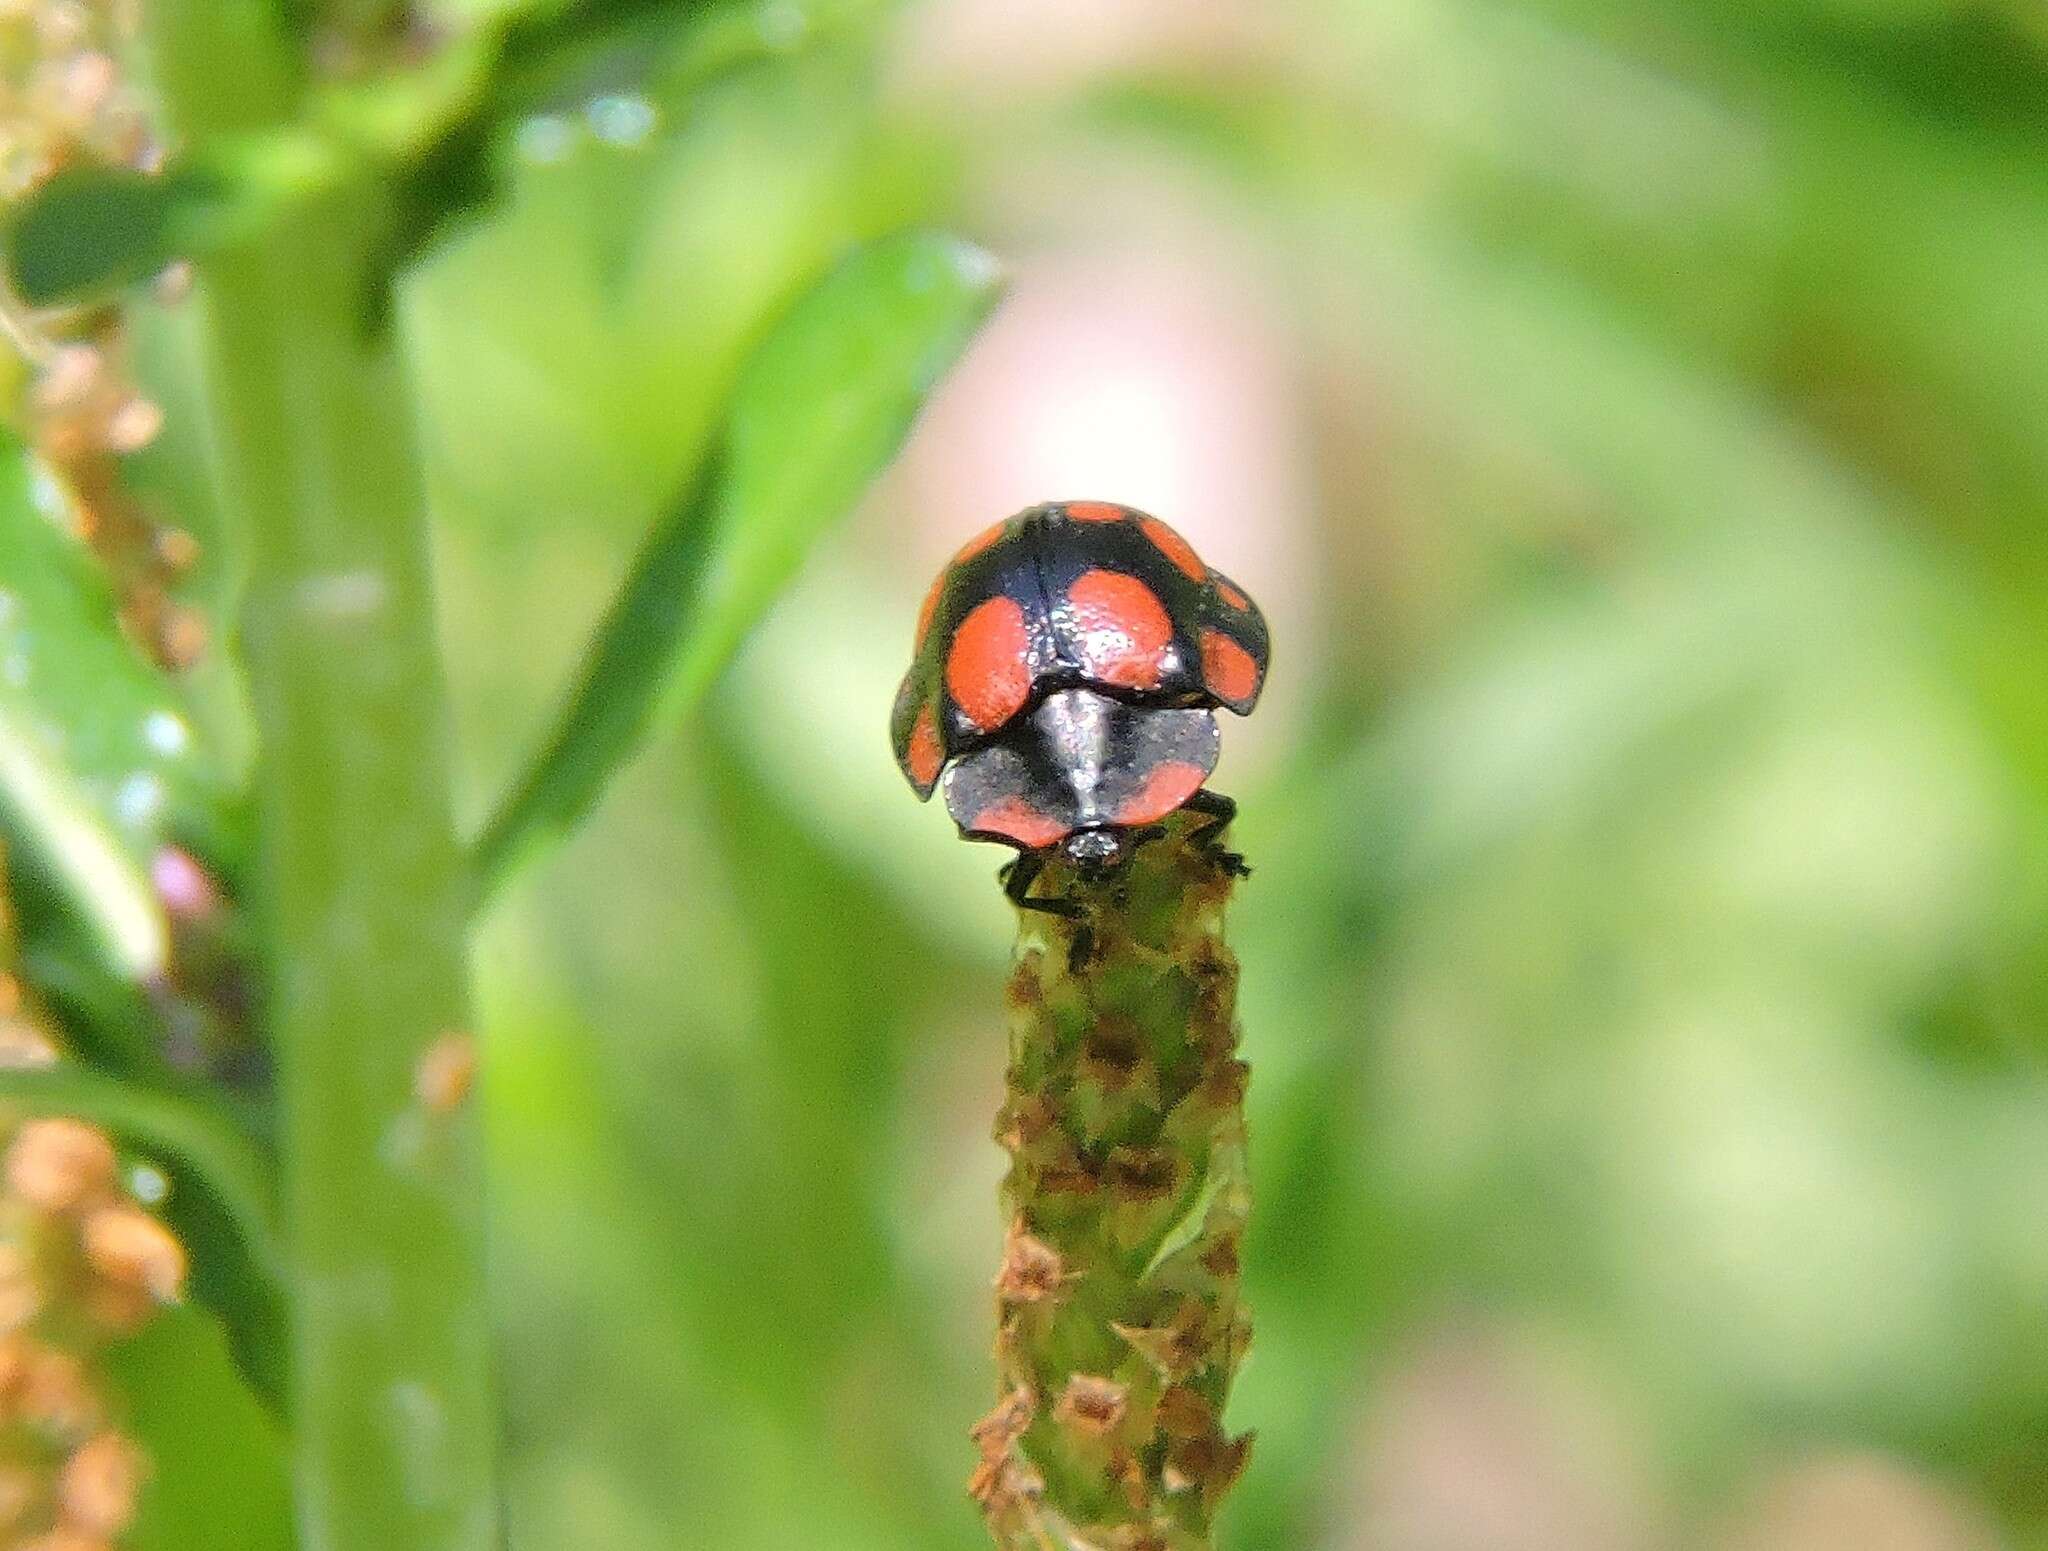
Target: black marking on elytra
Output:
[(1039, 555)]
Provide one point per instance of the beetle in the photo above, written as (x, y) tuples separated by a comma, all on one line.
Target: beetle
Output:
[(1066, 669)]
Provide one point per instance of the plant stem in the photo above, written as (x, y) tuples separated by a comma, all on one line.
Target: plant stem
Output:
[(362, 888), (1119, 1323), (366, 895)]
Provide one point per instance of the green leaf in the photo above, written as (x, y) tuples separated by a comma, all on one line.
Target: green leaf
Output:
[(217, 1464), (431, 135), (92, 229), (823, 403), (98, 767), (561, 57)]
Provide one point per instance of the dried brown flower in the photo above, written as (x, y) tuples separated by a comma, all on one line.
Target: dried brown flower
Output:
[(130, 1248), (99, 1484), (1092, 1404), (59, 1165)]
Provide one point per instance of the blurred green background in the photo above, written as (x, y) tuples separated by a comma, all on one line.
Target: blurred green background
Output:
[(1634, 420)]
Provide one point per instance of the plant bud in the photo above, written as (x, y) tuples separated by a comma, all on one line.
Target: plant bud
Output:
[(58, 1165)]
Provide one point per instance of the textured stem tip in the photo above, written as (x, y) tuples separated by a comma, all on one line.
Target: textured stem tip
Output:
[(1119, 1323)]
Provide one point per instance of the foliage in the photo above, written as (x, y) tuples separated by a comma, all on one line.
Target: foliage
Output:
[(1642, 965), (336, 1152)]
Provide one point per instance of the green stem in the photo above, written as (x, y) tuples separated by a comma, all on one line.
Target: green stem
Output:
[(1119, 1322), (362, 887)]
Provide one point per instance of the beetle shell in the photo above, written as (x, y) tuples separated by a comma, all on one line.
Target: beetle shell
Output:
[(1084, 595)]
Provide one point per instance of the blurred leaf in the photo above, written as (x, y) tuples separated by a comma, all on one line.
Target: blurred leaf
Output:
[(217, 1465), (93, 228), (433, 130), (96, 762), (567, 54), (823, 403)]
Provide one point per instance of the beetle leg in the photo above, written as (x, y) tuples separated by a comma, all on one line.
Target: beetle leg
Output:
[(1020, 874), (1216, 811), (1081, 950)]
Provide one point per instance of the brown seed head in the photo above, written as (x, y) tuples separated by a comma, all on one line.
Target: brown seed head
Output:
[(1002, 1427), (1221, 1258), (1024, 990), (58, 1165), (1023, 1121), (23, 1047), (181, 637), (132, 1249), (1032, 1269), (20, 1298), (445, 1073), (99, 1484), (55, 1394), (1174, 1348), (1185, 1413), (133, 425), (1067, 1180), (69, 379), (14, 1365), (1210, 1464), (1139, 1537), (177, 549), (1092, 1404), (1226, 1084), (118, 1310), (19, 1490), (1143, 1173)]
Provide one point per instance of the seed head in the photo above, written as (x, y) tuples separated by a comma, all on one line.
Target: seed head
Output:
[(132, 1249), (1092, 1404), (59, 1165), (1032, 1269), (99, 1484)]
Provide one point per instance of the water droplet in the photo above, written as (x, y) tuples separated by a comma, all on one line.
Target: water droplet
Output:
[(621, 120), (343, 595), (138, 799), (975, 266), (48, 495), (148, 1185), (545, 139), (165, 732)]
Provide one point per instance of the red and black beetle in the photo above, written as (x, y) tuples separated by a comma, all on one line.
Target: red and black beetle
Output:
[(1067, 667)]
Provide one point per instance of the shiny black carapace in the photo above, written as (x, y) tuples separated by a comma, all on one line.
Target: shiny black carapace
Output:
[(1068, 664)]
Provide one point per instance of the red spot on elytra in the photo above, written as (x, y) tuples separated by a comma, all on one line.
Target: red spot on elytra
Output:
[(1228, 669), (924, 755), (1232, 596), (988, 669), (974, 546), (1123, 627), (1015, 819), (1167, 785), (1175, 548), (1097, 511)]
